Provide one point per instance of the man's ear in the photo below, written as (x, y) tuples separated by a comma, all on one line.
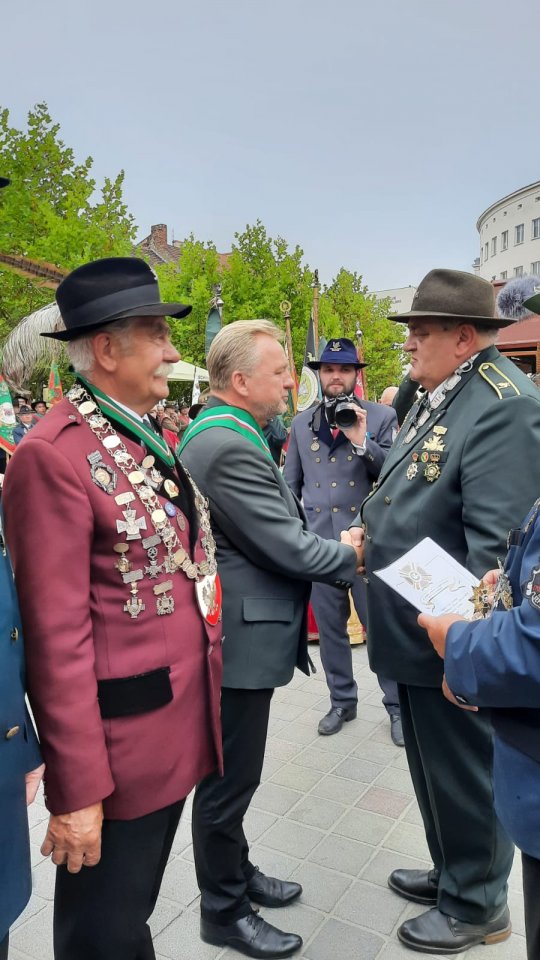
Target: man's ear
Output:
[(466, 341), (239, 383), (106, 350)]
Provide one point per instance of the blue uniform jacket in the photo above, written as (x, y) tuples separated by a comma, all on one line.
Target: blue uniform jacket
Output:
[(326, 474), (496, 663), (19, 753)]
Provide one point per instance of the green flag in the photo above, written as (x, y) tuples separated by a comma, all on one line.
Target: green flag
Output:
[(7, 418), (54, 388), (309, 390)]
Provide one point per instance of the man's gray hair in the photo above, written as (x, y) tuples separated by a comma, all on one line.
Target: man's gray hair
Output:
[(80, 351), (236, 348), (489, 334)]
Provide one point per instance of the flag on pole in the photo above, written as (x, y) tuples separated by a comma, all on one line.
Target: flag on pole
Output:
[(7, 418), (309, 389), (196, 391), (54, 387), (214, 321), (292, 401)]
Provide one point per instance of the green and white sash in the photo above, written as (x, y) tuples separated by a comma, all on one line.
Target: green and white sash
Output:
[(151, 440), (232, 418)]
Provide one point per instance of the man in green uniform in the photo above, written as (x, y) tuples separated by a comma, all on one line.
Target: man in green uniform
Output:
[(464, 468)]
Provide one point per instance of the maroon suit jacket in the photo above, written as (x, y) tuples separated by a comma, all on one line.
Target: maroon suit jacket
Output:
[(62, 528)]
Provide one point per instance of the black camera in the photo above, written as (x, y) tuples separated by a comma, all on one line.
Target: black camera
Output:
[(339, 413)]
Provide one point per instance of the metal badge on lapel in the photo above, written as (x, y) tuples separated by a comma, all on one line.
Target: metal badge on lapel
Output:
[(132, 525), (208, 593), (433, 443), (432, 472), (103, 476), (412, 470)]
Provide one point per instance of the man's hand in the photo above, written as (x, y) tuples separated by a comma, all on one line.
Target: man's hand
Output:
[(75, 838), (33, 779), (437, 628), (355, 538), (450, 696), (490, 580), (357, 433)]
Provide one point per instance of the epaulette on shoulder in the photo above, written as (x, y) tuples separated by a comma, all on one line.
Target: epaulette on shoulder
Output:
[(55, 422), (498, 381)]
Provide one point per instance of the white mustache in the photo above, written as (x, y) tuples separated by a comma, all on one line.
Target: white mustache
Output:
[(163, 370)]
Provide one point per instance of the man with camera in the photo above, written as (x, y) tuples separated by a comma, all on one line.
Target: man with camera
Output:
[(335, 454)]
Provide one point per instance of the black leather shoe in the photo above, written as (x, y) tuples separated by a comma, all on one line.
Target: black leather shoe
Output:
[(271, 892), (396, 731), (417, 885), (434, 932), (251, 935), (334, 720)]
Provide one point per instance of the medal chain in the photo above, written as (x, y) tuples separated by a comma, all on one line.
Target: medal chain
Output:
[(177, 557)]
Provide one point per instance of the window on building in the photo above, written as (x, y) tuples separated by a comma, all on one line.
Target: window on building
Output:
[(518, 271), (486, 251), (536, 228), (504, 275), (493, 246), (535, 268), (504, 240), (520, 233)]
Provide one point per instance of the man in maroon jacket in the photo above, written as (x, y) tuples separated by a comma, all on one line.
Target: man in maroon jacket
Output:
[(112, 542)]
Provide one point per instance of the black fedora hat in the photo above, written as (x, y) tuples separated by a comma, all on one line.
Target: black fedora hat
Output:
[(4, 182), (106, 290), (338, 350), (454, 295)]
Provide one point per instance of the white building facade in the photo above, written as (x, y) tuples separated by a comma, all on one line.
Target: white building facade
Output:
[(510, 236), (401, 298)]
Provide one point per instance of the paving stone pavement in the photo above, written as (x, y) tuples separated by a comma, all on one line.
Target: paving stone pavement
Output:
[(335, 813)]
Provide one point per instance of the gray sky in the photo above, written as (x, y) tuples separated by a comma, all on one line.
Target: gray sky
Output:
[(372, 134)]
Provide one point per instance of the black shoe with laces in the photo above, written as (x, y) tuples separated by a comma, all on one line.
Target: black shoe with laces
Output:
[(271, 892), (252, 936)]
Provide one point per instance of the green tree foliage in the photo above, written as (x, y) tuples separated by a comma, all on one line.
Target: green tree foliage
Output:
[(262, 272), (51, 211), (191, 280)]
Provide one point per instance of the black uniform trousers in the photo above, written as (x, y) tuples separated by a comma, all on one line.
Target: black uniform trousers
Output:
[(220, 804), (101, 913), (449, 752), (531, 894)]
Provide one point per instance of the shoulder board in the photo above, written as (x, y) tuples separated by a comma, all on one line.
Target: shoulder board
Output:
[(498, 381)]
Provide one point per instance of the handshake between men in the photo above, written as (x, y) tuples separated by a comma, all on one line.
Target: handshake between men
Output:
[(354, 537)]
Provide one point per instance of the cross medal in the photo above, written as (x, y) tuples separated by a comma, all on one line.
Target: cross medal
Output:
[(132, 525)]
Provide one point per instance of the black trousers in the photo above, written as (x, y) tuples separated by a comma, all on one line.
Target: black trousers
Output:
[(531, 895), (450, 759), (220, 804), (101, 913)]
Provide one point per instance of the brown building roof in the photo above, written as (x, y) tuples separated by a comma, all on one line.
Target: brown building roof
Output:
[(157, 249)]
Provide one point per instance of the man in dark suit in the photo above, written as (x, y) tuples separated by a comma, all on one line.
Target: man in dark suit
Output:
[(123, 662), (25, 424), (446, 477), (332, 468), (267, 559)]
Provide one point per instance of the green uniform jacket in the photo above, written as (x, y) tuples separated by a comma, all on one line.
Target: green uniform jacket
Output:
[(481, 477)]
